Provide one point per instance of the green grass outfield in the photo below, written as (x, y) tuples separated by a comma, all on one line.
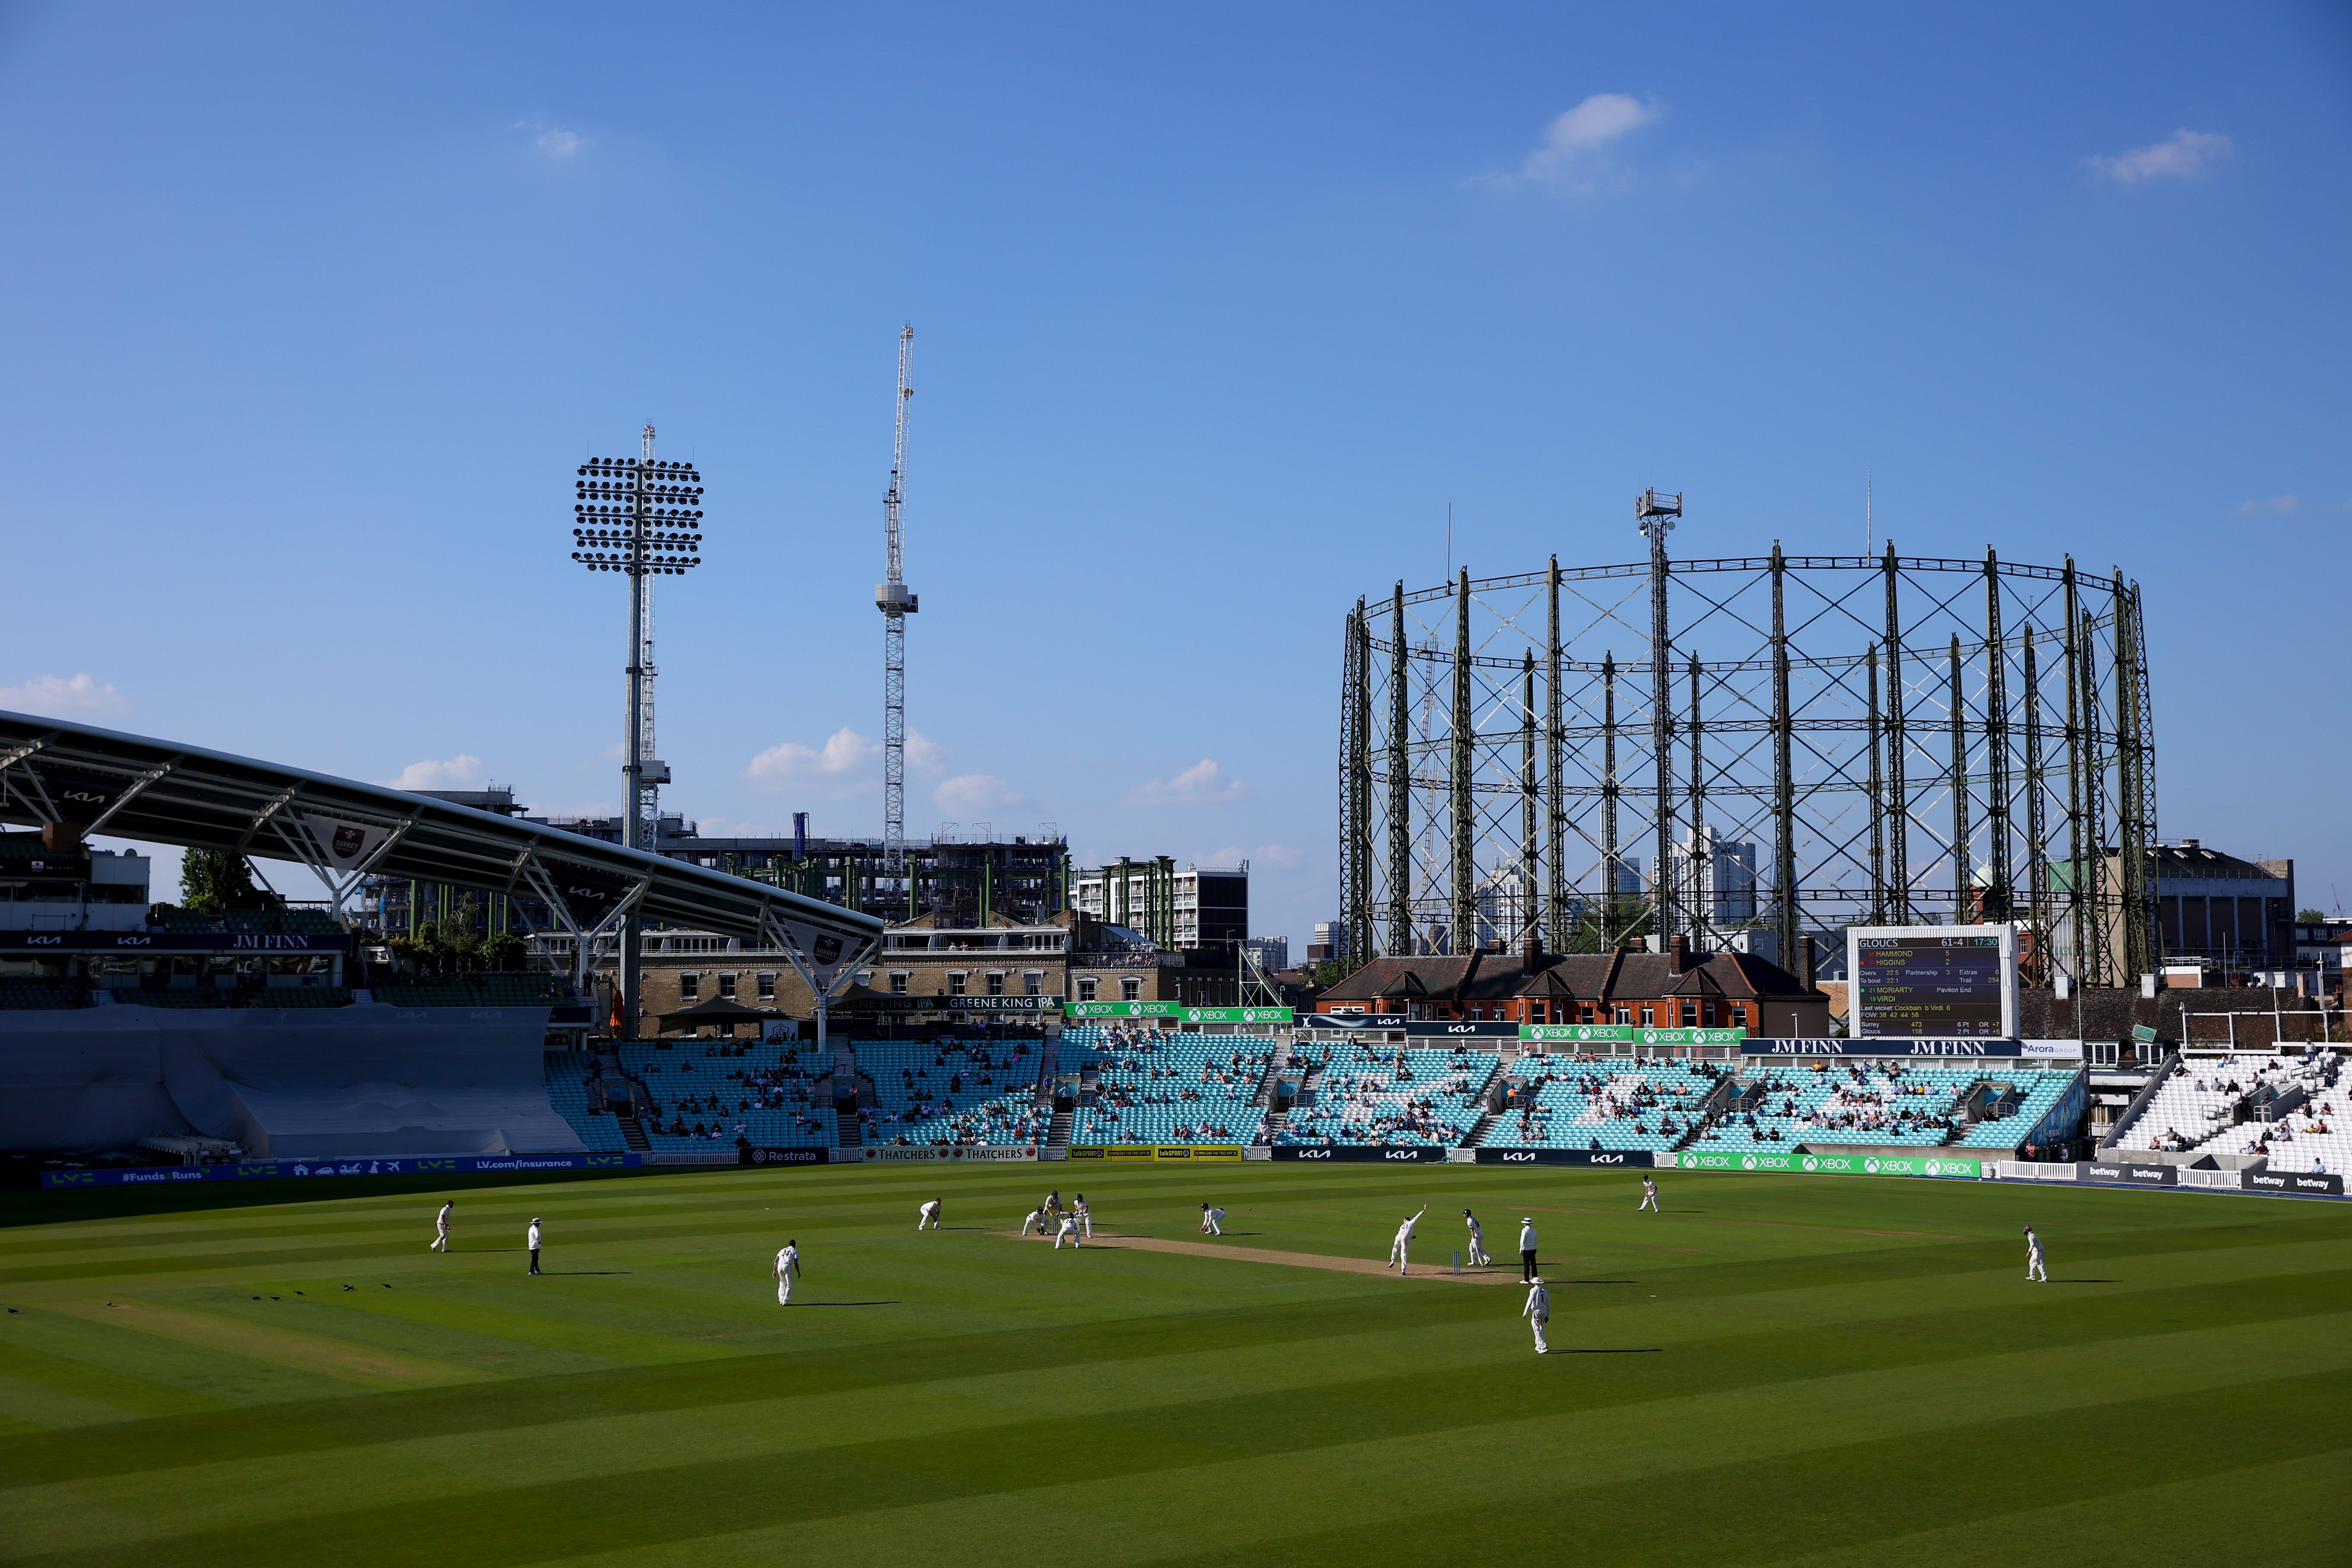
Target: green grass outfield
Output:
[(1779, 1368)]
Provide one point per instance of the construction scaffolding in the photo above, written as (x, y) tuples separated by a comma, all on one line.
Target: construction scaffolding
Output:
[(1792, 745)]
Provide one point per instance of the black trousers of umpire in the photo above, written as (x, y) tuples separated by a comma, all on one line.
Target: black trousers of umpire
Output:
[(534, 1260), (1527, 1263)]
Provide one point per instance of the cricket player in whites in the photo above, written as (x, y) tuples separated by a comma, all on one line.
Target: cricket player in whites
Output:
[(788, 1267), (1478, 1258), (1037, 1218), (1404, 1240), (1650, 1196), (1085, 1216), (1070, 1230), (2033, 1268), (1537, 1312), (1213, 1221), (929, 1219), (441, 1226)]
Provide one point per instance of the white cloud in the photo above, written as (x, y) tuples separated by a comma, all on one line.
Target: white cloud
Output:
[(976, 796), (463, 771), (839, 769), (2276, 503), (2186, 155), (554, 140), (847, 765), (1202, 784), (56, 697), (1571, 157)]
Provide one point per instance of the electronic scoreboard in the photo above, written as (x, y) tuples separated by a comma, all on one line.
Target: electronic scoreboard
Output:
[(1943, 981)]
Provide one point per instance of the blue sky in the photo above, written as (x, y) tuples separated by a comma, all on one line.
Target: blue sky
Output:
[(312, 312)]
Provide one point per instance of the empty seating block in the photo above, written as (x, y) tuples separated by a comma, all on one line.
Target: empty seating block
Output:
[(754, 1091), (1163, 1088), (1381, 1095), (954, 1091), (1604, 1103)]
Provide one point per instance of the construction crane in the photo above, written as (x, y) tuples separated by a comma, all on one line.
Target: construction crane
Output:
[(893, 598)]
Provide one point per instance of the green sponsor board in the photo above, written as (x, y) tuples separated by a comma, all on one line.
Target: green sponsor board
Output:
[(1236, 1014), (949, 1005), (1827, 1164), (1617, 1033), (1124, 1010), (1735, 1160)]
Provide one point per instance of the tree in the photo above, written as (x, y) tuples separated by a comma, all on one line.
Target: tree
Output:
[(503, 953), (212, 880), (2311, 917)]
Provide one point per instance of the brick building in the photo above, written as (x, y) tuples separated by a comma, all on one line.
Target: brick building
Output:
[(1675, 989)]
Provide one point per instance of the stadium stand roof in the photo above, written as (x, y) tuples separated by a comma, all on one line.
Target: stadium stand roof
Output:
[(130, 787)]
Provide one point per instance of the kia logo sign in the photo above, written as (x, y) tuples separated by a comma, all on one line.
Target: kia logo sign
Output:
[(1519, 1159), (1314, 1153), (1608, 1159)]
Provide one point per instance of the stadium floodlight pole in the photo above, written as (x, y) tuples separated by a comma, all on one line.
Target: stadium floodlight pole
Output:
[(643, 519)]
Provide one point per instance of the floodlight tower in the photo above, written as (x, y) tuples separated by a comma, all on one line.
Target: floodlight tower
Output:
[(643, 519), (897, 602)]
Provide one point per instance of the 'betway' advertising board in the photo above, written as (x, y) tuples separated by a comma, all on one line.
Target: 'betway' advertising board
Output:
[(270, 1170), (2307, 1183), (2053, 1050), (2126, 1173), (1824, 1164)]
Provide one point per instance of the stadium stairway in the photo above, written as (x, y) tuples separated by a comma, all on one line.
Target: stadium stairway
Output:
[(1274, 1070), (1479, 1128), (1058, 1135), (632, 1132)]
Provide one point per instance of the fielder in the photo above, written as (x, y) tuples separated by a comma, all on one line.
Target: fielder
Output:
[(788, 1268), (1526, 1249), (1213, 1221), (1069, 1230), (530, 1240), (1037, 1218), (441, 1226), (929, 1219), (1404, 1240), (1478, 1258), (1649, 1196), (2033, 1268), (1537, 1312), (1085, 1216)]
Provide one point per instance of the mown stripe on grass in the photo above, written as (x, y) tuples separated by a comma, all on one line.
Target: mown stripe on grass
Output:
[(1434, 1386), (1086, 1491), (2283, 1513), (279, 1343), (1149, 1467), (135, 1397)]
